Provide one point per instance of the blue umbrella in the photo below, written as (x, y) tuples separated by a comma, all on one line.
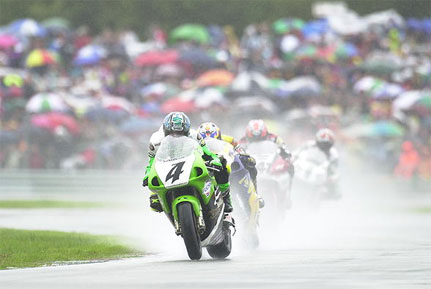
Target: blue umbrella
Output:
[(90, 54), (139, 125), (316, 27), (27, 27), (198, 58)]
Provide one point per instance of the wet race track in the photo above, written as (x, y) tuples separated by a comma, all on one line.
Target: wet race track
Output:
[(374, 237)]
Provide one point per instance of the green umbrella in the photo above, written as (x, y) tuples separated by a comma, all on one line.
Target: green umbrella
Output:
[(281, 26), (306, 52), (56, 23), (194, 32), (285, 25), (297, 23)]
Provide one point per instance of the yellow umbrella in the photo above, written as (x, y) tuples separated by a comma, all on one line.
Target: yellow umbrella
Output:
[(40, 57)]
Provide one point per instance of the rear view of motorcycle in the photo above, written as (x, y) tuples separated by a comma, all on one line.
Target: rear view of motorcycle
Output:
[(274, 180), (244, 196)]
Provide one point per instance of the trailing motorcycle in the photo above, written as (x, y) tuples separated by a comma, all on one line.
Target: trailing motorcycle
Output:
[(190, 197), (244, 196), (273, 178)]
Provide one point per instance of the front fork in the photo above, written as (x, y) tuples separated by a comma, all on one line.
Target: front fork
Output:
[(196, 208)]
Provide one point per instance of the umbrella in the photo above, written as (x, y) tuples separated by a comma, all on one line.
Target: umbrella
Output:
[(40, 57), (178, 104), (346, 50), (249, 81), (56, 24), (153, 58), (298, 86), (159, 89), (254, 104), (383, 63), (7, 41), (169, 70), (106, 115), (44, 102), (387, 91), (306, 52), (80, 104), (89, 55), (27, 27), (52, 121), (135, 125), (376, 129), (193, 32), (209, 97), (285, 25), (198, 58), (216, 77), (117, 103), (315, 28), (367, 84), (13, 80)]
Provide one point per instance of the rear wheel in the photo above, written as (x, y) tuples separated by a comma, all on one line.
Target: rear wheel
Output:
[(222, 250), (187, 220)]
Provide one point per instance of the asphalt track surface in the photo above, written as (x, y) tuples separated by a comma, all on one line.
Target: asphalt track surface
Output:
[(374, 237)]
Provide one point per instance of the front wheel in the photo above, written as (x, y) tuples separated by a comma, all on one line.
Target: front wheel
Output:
[(222, 250), (187, 220)]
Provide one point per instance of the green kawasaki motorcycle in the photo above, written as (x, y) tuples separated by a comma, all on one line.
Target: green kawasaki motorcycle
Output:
[(190, 198)]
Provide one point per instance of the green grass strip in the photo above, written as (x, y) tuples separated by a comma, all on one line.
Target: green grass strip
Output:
[(42, 204), (27, 248), (421, 210)]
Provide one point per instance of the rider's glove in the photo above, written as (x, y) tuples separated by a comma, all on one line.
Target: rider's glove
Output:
[(216, 163), (284, 154)]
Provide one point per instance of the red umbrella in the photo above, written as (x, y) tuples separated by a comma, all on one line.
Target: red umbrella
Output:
[(178, 104), (51, 121), (153, 58)]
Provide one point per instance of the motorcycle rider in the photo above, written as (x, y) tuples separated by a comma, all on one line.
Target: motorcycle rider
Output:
[(323, 143), (178, 123), (257, 130), (210, 129)]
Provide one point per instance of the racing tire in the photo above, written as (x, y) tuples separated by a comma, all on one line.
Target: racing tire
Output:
[(223, 249), (187, 220)]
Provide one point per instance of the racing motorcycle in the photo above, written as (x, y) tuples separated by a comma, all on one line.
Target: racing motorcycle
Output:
[(244, 196), (190, 197), (314, 177), (273, 178)]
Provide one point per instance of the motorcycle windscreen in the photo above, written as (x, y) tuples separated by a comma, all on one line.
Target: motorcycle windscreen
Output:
[(221, 148), (264, 152), (174, 160)]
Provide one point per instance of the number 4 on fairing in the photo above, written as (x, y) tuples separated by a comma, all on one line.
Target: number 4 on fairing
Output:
[(175, 172)]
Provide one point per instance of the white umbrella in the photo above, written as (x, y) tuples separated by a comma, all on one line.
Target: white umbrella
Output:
[(209, 97), (244, 81), (115, 102), (405, 101), (44, 102)]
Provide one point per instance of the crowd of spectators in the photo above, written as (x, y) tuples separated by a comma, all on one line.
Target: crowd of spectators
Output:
[(73, 99)]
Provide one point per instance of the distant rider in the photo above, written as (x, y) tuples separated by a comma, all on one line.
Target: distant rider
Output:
[(209, 129), (177, 123), (257, 130), (322, 148)]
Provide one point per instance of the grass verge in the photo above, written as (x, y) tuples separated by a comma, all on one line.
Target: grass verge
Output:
[(421, 210), (42, 204), (27, 248)]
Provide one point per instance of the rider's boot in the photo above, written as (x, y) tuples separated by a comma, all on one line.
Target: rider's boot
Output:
[(259, 198), (226, 198), (155, 203)]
